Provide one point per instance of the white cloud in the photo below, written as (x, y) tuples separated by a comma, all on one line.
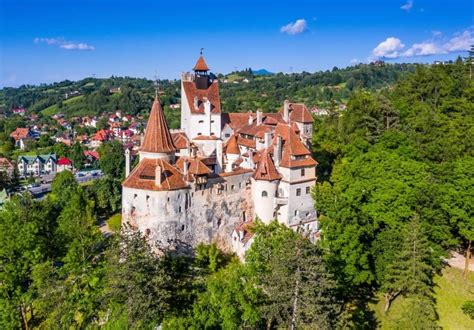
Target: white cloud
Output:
[(393, 47), (461, 42), (389, 48), (408, 6), (297, 27), (64, 44), (423, 49), (354, 61)]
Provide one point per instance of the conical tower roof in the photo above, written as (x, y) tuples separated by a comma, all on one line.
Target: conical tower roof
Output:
[(201, 65), (232, 147), (266, 169), (157, 135)]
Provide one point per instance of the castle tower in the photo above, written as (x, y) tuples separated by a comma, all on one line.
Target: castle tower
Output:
[(264, 188), (232, 152), (201, 72), (157, 142)]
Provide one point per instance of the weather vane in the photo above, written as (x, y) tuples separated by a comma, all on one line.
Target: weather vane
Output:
[(202, 49)]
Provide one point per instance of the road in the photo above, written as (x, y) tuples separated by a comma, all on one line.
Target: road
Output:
[(43, 189)]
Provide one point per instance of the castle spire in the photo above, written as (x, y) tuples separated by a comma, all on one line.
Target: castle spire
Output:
[(201, 63), (157, 135)]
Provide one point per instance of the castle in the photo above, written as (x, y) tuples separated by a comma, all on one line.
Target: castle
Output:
[(209, 180)]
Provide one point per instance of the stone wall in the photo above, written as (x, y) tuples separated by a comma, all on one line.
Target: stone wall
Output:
[(187, 217)]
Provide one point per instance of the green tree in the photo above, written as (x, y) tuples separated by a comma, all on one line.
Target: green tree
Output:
[(298, 289), (64, 186), (112, 159), (411, 272), (77, 155), (138, 286)]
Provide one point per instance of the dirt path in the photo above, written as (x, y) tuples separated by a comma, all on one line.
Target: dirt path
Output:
[(457, 260)]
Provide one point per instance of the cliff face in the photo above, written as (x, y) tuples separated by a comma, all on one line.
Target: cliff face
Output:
[(184, 218)]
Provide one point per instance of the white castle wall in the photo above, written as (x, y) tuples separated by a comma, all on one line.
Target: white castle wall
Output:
[(189, 216), (264, 193)]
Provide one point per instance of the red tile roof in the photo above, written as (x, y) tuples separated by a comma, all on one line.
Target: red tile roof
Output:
[(103, 135), (180, 140), (64, 161), (20, 133), (205, 137), (201, 65), (5, 163), (232, 147), (211, 94), (299, 113), (92, 154), (143, 176), (195, 166), (237, 120), (157, 135), (266, 170), (246, 142)]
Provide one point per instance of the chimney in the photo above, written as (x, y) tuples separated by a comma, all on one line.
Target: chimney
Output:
[(207, 106), (286, 111), (259, 117), (196, 104), (277, 150), (127, 162), (158, 173), (250, 118), (268, 139), (185, 167), (219, 156)]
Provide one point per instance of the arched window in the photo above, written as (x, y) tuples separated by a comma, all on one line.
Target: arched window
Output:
[(264, 194)]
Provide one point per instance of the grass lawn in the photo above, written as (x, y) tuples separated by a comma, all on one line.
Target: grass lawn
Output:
[(52, 110), (115, 222), (49, 111), (451, 292)]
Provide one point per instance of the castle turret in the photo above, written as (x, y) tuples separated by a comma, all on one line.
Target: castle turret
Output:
[(201, 72), (157, 142), (264, 188)]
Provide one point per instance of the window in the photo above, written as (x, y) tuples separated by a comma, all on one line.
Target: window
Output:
[(302, 172), (232, 187), (199, 133), (227, 135), (212, 134), (201, 121), (308, 190), (296, 212), (264, 194), (298, 192), (212, 121)]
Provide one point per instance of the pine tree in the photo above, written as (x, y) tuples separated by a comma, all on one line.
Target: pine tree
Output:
[(411, 274), (299, 290)]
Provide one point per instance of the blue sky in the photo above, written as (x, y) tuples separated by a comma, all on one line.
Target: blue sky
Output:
[(53, 40)]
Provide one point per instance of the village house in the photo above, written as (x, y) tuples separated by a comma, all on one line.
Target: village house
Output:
[(64, 163), (6, 166), (101, 137), (209, 180), (21, 136), (20, 111), (36, 165)]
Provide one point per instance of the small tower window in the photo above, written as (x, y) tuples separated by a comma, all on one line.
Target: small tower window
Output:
[(298, 192), (302, 172), (308, 190), (264, 194), (201, 121)]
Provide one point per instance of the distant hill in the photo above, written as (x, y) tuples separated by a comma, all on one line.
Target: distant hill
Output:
[(262, 72)]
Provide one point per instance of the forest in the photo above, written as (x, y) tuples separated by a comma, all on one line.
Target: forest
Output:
[(395, 196)]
